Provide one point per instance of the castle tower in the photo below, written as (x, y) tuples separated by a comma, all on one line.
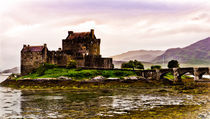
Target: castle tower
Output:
[(81, 43), (32, 57)]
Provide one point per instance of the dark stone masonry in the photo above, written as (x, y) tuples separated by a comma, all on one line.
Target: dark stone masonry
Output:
[(83, 47)]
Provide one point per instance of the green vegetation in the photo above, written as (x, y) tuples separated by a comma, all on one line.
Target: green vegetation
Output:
[(173, 64), (41, 70), (133, 64), (155, 67), (71, 64), (170, 76), (51, 71)]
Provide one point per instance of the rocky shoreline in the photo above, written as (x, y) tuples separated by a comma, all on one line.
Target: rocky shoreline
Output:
[(68, 82)]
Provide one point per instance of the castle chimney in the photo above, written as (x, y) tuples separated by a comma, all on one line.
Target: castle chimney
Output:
[(70, 32), (45, 45), (92, 33)]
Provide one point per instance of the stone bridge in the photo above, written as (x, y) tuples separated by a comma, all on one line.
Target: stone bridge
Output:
[(177, 73)]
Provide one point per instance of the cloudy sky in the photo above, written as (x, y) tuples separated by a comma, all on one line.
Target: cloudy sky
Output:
[(122, 25)]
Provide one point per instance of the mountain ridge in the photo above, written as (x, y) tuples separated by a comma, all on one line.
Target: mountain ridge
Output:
[(141, 55), (196, 53)]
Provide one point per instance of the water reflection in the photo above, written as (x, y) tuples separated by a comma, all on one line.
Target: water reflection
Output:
[(125, 103), (83, 103), (10, 102)]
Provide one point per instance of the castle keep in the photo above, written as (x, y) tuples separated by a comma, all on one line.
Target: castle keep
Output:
[(82, 47)]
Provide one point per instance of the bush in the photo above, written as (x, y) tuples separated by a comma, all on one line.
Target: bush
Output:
[(106, 74), (155, 67), (119, 73), (133, 64), (173, 64), (71, 64), (43, 67)]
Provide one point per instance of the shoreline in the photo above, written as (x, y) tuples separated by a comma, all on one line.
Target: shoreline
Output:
[(100, 82), (69, 83)]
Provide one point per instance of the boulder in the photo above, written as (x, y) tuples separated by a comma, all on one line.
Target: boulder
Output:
[(64, 78), (98, 78)]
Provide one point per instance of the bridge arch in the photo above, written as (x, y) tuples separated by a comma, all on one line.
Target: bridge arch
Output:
[(199, 72), (183, 71), (163, 72)]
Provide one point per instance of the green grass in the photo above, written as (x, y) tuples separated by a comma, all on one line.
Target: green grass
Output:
[(170, 76), (78, 74)]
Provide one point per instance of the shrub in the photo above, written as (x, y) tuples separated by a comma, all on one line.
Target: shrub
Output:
[(173, 64), (71, 64), (106, 74), (133, 64), (119, 73), (155, 67), (43, 67)]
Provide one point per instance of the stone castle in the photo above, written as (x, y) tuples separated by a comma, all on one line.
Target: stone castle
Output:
[(83, 47)]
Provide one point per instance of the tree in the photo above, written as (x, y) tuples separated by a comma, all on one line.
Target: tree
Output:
[(173, 64), (155, 67), (133, 64)]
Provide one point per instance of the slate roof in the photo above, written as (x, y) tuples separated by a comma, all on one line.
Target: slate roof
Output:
[(78, 35), (33, 48)]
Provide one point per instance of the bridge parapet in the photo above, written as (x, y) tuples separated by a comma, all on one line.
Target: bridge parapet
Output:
[(177, 73)]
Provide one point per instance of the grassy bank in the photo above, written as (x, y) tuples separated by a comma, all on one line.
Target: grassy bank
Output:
[(78, 74), (82, 78)]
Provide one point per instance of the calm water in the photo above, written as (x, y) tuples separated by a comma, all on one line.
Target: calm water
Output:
[(84, 103)]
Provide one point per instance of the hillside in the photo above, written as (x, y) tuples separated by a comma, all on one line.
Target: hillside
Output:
[(141, 55), (196, 53), (13, 70)]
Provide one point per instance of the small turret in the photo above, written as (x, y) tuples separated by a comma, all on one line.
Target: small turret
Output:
[(70, 32), (45, 45), (92, 33)]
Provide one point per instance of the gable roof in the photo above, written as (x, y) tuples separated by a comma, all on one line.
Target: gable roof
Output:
[(33, 48), (78, 35)]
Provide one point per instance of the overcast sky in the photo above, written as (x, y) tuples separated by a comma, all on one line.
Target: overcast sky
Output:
[(122, 25)]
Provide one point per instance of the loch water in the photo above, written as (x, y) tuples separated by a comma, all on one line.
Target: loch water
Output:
[(86, 103)]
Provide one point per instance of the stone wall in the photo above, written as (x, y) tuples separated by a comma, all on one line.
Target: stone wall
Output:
[(59, 58), (98, 62), (32, 60)]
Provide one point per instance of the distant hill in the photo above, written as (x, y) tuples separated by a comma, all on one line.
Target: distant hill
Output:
[(141, 55), (196, 53), (13, 70)]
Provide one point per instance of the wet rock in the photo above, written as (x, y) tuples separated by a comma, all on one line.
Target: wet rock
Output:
[(64, 78), (98, 79), (25, 79), (45, 79), (112, 79), (131, 78)]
